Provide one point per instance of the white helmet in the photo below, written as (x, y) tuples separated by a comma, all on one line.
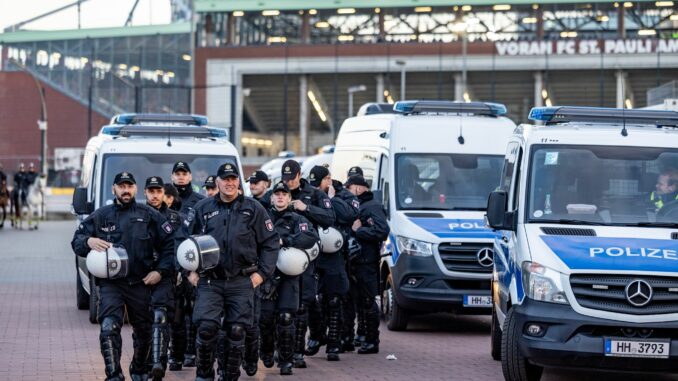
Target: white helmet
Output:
[(110, 264), (331, 240), (292, 261), (313, 252), (198, 253)]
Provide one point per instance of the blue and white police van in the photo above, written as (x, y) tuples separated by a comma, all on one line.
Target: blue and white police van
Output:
[(145, 145), (586, 261), (433, 163)]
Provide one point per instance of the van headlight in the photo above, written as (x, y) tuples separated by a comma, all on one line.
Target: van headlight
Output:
[(543, 284), (411, 246)]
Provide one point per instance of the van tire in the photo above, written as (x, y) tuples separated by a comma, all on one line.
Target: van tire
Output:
[(93, 301), (513, 364), (82, 298), (495, 336), (396, 317)]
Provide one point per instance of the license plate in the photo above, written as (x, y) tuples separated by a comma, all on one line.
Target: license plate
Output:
[(622, 347), (477, 301)]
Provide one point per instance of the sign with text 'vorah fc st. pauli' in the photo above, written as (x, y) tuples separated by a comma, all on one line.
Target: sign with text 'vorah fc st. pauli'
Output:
[(586, 47)]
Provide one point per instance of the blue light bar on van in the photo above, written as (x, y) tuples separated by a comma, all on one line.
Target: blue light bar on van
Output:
[(173, 131), (475, 108), (566, 114), (193, 120)]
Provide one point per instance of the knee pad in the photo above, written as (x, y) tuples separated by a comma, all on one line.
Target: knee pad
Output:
[(366, 302), (237, 332), (110, 327), (160, 315), (207, 330), (334, 302), (285, 318)]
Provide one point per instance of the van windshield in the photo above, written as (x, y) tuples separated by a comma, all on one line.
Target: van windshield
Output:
[(446, 181), (143, 166), (603, 185)]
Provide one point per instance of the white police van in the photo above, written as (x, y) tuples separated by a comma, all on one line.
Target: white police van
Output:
[(145, 145), (433, 163), (586, 263)]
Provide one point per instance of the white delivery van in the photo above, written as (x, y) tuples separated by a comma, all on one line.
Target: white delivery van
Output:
[(586, 260), (145, 145), (433, 163)]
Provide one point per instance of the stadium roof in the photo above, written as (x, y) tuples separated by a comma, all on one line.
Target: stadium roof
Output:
[(76, 34), (260, 5)]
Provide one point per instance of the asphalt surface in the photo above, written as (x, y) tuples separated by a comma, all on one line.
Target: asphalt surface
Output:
[(44, 337)]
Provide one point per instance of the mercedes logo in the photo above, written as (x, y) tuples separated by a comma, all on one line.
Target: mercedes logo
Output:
[(638, 292), (485, 257)]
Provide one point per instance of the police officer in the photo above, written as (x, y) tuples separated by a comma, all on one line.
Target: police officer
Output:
[(280, 293), (249, 248), (666, 189), (3, 190), (19, 193), (333, 280), (313, 204), (162, 294), (141, 231), (171, 198), (210, 186), (259, 184), (370, 231)]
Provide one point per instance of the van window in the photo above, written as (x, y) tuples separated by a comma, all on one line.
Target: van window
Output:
[(145, 166), (445, 181), (509, 167), (602, 184), (344, 160), (88, 162)]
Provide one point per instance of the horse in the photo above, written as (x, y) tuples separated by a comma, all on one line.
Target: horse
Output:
[(4, 202), (33, 208)]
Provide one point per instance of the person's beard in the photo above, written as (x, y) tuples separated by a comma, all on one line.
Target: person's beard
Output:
[(123, 202)]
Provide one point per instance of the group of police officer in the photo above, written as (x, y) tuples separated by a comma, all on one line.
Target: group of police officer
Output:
[(22, 180), (248, 305)]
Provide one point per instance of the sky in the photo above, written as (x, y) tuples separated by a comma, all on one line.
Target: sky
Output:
[(94, 13)]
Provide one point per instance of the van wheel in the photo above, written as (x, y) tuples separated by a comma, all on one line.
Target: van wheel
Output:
[(82, 298), (395, 316), (93, 300), (514, 365), (495, 336)]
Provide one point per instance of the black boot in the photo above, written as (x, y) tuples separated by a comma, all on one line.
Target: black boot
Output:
[(190, 355), (177, 346), (371, 343), (286, 337), (334, 326), (204, 348), (301, 323), (267, 339), (251, 357), (360, 332), (316, 329), (236, 348), (221, 353), (159, 346), (111, 344), (138, 368)]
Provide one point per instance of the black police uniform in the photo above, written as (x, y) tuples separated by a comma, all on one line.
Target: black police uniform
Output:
[(248, 244), (280, 294), (365, 268), (19, 192), (333, 279), (264, 199), (141, 230)]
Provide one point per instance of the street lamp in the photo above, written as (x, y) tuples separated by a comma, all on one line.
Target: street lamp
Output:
[(351, 90), (460, 29), (402, 78)]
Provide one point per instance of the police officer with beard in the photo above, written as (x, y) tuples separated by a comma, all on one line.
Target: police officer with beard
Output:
[(162, 293), (249, 249), (259, 184), (141, 230), (333, 280), (280, 293), (313, 204), (371, 230)]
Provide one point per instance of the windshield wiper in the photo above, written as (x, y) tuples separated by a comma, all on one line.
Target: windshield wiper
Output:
[(565, 221), (670, 225)]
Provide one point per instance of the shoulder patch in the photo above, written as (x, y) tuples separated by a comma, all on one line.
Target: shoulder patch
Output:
[(303, 227), (327, 203), (167, 227), (370, 221), (355, 203), (269, 225), (190, 215)]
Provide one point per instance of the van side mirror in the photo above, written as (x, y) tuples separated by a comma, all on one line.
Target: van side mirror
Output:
[(497, 216), (80, 203)]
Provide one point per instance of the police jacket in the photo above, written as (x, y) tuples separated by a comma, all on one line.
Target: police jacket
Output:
[(140, 229), (180, 226), (188, 199), (244, 232), (29, 179), (374, 229), (19, 180), (294, 230), (319, 211), (659, 200), (346, 208)]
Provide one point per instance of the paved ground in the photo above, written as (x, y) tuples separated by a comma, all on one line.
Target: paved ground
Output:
[(44, 337)]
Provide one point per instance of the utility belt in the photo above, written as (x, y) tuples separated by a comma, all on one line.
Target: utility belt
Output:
[(218, 273)]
